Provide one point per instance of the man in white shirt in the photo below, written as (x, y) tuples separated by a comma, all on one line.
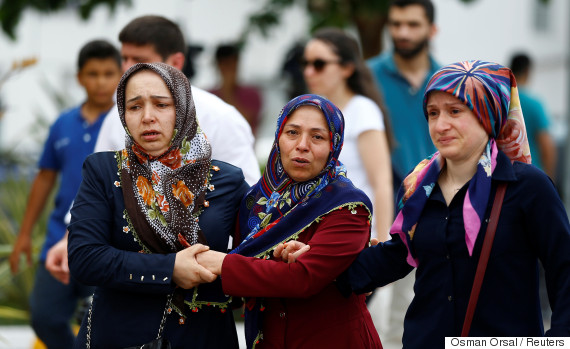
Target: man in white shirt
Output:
[(150, 39)]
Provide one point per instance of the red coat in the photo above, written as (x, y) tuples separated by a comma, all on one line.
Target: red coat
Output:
[(304, 309)]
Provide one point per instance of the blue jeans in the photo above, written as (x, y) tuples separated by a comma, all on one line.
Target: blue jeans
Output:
[(53, 305)]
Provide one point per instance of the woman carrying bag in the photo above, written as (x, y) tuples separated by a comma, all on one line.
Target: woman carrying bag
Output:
[(445, 216), (335, 69), (143, 213)]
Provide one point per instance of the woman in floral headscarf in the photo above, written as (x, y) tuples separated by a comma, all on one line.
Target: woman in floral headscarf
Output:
[(476, 123), (303, 195), (141, 215)]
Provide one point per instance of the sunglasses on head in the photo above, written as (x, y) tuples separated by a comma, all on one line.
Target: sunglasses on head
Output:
[(318, 64)]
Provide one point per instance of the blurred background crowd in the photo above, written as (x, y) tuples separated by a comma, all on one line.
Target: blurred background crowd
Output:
[(248, 52), (272, 33)]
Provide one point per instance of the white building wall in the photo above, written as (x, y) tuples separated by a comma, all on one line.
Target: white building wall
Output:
[(56, 39), (485, 29), (495, 29)]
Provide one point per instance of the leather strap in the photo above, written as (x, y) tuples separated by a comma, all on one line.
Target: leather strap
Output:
[(167, 311), (484, 258)]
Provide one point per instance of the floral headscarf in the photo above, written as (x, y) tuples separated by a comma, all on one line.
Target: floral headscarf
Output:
[(276, 193), (278, 209), (490, 91), (164, 195)]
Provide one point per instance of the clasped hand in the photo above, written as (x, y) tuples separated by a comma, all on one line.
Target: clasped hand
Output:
[(188, 273), (197, 264), (289, 251)]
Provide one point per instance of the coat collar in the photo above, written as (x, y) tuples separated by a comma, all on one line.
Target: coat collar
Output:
[(504, 170)]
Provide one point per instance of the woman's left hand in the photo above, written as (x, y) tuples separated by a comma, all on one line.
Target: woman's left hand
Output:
[(290, 251), (56, 261), (211, 260)]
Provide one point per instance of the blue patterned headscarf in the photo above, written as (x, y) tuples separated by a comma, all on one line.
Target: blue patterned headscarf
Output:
[(276, 193), (278, 209), (490, 91)]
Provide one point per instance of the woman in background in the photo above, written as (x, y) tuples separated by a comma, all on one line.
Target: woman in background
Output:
[(334, 68)]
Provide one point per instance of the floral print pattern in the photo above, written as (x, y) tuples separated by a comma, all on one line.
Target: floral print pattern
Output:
[(162, 203), (155, 178), (181, 191), (173, 159), (145, 190)]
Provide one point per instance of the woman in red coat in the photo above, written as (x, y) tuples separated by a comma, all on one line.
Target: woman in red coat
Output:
[(303, 195)]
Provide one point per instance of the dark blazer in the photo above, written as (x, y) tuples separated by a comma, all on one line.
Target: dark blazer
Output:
[(132, 287), (303, 307), (533, 226)]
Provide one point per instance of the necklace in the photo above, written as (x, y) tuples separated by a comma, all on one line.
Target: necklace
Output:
[(449, 183)]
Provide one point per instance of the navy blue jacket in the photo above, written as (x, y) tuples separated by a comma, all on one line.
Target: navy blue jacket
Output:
[(132, 287), (533, 225)]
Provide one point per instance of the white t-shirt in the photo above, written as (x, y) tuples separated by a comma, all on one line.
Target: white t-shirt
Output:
[(227, 130), (360, 114)]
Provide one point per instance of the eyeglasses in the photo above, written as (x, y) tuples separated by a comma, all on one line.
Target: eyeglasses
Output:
[(318, 64)]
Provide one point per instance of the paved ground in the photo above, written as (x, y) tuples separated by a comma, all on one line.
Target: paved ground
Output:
[(16, 337), (22, 337)]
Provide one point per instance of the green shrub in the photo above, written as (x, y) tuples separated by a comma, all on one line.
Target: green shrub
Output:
[(15, 289)]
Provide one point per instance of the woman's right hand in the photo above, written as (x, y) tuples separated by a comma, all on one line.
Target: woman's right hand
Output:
[(187, 272), (290, 251)]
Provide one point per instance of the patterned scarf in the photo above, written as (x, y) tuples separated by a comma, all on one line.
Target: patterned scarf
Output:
[(278, 209), (490, 91), (164, 194)]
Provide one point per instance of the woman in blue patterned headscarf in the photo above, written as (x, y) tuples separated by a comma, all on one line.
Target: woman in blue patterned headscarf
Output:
[(305, 196), (475, 121), (488, 92)]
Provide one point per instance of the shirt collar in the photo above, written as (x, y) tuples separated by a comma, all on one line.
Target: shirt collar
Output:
[(504, 170), (392, 68)]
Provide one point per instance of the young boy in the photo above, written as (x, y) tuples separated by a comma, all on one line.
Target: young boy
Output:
[(71, 139)]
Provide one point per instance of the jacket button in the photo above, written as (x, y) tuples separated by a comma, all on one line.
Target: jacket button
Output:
[(282, 315), (449, 298)]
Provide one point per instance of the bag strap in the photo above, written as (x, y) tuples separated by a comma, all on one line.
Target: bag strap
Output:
[(484, 258), (167, 310)]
